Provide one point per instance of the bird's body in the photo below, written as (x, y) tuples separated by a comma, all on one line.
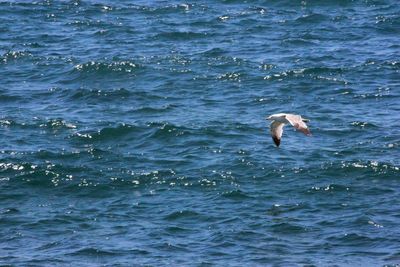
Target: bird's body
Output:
[(279, 120)]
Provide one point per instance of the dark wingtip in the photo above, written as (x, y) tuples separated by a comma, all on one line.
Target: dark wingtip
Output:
[(277, 141)]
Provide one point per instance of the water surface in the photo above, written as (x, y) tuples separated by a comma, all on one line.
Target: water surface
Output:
[(134, 133)]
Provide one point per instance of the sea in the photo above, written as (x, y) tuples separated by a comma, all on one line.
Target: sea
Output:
[(134, 133)]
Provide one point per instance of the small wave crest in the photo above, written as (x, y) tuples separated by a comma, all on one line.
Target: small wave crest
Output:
[(312, 18), (362, 169), (363, 124), (14, 55), (83, 93), (184, 36), (57, 124), (105, 67), (51, 123), (182, 215), (107, 133), (303, 72), (235, 195)]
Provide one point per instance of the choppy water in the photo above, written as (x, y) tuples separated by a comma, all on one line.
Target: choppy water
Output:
[(134, 133)]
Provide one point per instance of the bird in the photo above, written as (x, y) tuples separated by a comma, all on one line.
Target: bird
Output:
[(279, 120)]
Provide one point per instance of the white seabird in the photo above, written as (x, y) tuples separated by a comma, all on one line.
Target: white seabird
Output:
[(281, 119)]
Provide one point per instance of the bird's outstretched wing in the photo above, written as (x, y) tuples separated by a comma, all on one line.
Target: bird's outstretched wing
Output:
[(276, 129), (297, 122)]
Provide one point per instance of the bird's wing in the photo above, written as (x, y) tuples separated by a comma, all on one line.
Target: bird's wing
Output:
[(297, 122), (276, 131)]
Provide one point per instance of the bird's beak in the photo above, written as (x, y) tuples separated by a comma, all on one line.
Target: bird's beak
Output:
[(306, 120), (268, 118)]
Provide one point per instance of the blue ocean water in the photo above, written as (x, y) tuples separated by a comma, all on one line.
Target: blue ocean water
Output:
[(134, 133)]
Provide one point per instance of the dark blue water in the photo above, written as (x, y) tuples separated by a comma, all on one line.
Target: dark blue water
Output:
[(134, 133)]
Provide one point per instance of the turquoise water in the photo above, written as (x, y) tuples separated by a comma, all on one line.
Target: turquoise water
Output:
[(134, 133)]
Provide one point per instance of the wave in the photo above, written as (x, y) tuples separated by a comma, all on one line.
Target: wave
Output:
[(378, 63), (354, 239), (300, 41), (365, 169), (183, 215), (184, 36), (107, 133), (231, 76), (288, 228), (110, 169), (154, 110), (113, 94), (333, 72), (164, 9), (162, 128), (105, 67), (57, 124), (362, 124), (161, 131), (336, 188), (11, 56), (95, 95), (5, 96), (302, 72), (36, 123), (93, 252), (70, 170), (235, 195), (213, 53), (312, 18), (9, 123)]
